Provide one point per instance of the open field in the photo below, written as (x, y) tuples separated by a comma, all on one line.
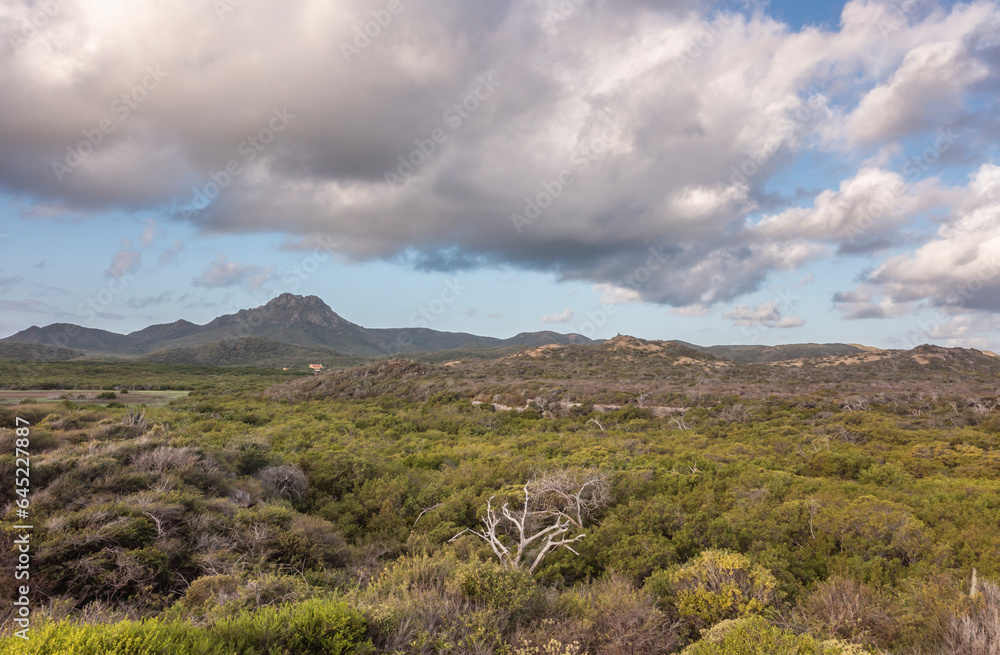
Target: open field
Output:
[(148, 398)]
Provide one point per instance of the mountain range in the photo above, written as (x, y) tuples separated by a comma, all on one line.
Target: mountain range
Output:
[(293, 330), (288, 329)]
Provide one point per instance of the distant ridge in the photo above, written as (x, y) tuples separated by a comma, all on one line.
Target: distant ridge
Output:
[(767, 354), (291, 330), (305, 325)]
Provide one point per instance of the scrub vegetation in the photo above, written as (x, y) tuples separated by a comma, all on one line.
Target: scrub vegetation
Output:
[(627, 498)]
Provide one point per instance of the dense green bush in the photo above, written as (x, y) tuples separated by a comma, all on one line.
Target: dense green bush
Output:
[(495, 586)]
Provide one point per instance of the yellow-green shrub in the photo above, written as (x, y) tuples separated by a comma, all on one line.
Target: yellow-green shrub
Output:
[(720, 585), (312, 627), (755, 636)]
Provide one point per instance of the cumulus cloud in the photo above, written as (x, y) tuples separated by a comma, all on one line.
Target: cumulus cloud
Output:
[(864, 302), (864, 214), (958, 269), (224, 273), (565, 316), (968, 330), (766, 315), (615, 295), (925, 91), (611, 132)]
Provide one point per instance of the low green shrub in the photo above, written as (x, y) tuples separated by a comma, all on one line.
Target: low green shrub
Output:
[(494, 585)]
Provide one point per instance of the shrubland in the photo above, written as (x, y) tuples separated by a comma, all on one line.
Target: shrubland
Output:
[(743, 509)]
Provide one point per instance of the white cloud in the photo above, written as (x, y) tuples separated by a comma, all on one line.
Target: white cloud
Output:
[(925, 91), (565, 316), (611, 294), (224, 273), (767, 315), (959, 268), (865, 213), (690, 310)]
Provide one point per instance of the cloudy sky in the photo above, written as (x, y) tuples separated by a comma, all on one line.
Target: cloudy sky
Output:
[(734, 172)]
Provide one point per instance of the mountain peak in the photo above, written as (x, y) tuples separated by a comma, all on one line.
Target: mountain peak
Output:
[(290, 309), (293, 299)]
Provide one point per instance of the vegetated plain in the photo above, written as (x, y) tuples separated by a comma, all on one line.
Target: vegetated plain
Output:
[(828, 505)]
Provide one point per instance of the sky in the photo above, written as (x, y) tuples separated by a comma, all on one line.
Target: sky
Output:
[(734, 172)]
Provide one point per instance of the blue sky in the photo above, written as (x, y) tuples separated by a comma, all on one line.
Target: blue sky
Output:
[(648, 107)]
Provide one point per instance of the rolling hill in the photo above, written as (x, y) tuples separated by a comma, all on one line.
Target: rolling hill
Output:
[(293, 331), (305, 325), (253, 351)]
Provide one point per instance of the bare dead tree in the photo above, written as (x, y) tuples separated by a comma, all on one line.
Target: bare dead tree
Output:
[(679, 422), (597, 423), (552, 516), (980, 407), (734, 414), (428, 509), (814, 508), (285, 481), (855, 404)]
